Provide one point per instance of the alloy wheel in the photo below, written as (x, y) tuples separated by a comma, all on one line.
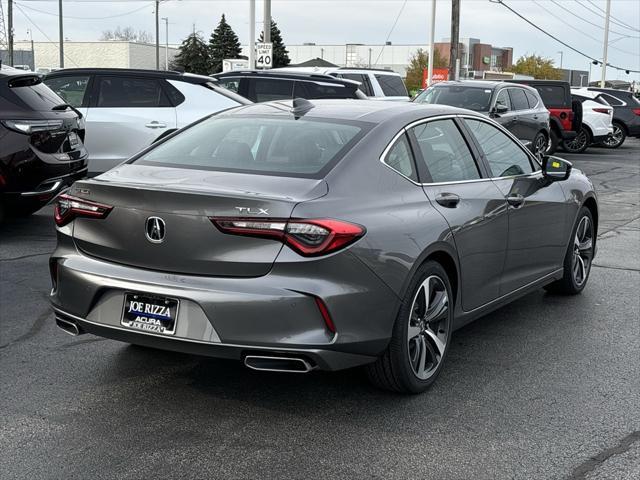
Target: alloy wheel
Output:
[(578, 143), (429, 327), (582, 251), (616, 138), (542, 144)]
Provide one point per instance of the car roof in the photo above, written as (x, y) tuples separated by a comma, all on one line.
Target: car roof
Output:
[(355, 110), (585, 92), (302, 75), (329, 70), (166, 74), (484, 84)]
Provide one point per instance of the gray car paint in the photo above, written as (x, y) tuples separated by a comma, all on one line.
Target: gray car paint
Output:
[(259, 295)]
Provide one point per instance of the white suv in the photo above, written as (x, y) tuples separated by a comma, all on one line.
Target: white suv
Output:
[(375, 84), (597, 117), (126, 110)]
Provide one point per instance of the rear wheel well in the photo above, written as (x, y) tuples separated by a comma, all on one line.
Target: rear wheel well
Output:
[(590, 203), (449, 265), (622, 125)]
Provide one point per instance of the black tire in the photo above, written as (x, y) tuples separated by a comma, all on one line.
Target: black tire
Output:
[(580, 143), (395, 370), (617, 138), (553, 142), (568, 284), (540, 145)]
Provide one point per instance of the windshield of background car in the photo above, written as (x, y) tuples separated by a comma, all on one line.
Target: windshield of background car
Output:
[(260, 145), (471, 98)]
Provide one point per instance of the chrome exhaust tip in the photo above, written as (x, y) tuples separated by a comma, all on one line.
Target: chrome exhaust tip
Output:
[(265, 363), (68, 327)]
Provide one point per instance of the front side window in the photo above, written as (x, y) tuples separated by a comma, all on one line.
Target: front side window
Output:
[(444, 152), (70, 88), (504, 156), (518, 99), (130, 92), (400, 158), (262, 145), (230, 83), (392, 85), (503, 99)]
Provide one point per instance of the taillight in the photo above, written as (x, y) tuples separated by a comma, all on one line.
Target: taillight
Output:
[(67, 208), (32, 126), (307, 237), (602, 110), (636, 111)]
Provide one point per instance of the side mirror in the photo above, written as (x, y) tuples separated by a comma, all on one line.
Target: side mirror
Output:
[(499, 108), (555, 168)]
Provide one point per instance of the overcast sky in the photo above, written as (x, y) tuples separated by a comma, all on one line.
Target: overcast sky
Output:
[(366, 21)]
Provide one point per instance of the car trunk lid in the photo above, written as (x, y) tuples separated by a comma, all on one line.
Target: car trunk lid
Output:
[(184, 200)]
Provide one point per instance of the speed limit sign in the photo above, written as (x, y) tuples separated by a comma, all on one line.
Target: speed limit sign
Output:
[(264, 55)]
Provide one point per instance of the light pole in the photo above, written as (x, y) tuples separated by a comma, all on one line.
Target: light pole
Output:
[(432, 37), (166, 45), (605, 45), (33, 52), (252, 34), (60, 26), (582, 75), (157, 34), (561, 54)]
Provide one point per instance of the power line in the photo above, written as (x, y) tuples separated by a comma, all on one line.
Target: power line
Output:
[(581, 32), (84, 18), (590, 22), (614, 19), (391, 31), (501, 2), (41, 31)]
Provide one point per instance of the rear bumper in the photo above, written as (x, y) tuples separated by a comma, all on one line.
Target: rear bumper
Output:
[(229, 317)]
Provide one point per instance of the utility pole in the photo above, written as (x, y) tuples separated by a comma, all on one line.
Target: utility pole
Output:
[(33, 52), (10, 32), (455, 40), (157, 34), (267, 21), (606, 44), (432, 37), (61, 28), (252, 34), (166, 45)]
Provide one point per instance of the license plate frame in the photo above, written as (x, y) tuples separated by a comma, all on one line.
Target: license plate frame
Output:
[(151, 313)]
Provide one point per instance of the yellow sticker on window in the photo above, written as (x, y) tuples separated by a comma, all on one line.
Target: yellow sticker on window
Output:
[(555, 164)]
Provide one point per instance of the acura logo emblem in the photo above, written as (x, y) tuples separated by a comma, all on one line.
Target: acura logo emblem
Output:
[(155, 229)]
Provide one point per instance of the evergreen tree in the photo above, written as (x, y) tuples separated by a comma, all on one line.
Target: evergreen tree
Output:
[(193, 56), (280, 52), (223, 44)]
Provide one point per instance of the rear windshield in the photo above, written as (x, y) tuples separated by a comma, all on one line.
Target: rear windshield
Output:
[(472, 98), (30, 93), (554, 96), (261, 145)]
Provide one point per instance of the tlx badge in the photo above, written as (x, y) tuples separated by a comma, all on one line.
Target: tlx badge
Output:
[(253, 211)]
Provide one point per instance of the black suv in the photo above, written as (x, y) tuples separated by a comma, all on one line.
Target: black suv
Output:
[(626, 115), (265, 85), (518, 108), (41, 144)]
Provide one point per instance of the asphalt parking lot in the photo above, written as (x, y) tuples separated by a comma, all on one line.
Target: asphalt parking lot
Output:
[(546, 388)]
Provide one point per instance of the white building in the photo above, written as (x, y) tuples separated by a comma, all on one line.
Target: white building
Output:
[(110, 54), (392, 57)]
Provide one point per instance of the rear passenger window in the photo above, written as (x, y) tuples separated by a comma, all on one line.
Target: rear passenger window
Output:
[(445, 152), (365, 86), (70, 89), (518, 99), (269, 89), (611, 100), (313, 90), (532, 99), (392, 85), (130, 92), (504, 156), (232, 84), (553, 96), (400, 158)]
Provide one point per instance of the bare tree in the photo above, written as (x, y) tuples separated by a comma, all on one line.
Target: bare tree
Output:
[(127, 34)]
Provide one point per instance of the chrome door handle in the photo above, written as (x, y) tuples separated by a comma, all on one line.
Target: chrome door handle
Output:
[(448, 200), (155, 124), (515, 200)]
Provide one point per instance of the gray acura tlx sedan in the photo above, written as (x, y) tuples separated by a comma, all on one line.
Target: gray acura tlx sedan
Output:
[(296, 236)]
